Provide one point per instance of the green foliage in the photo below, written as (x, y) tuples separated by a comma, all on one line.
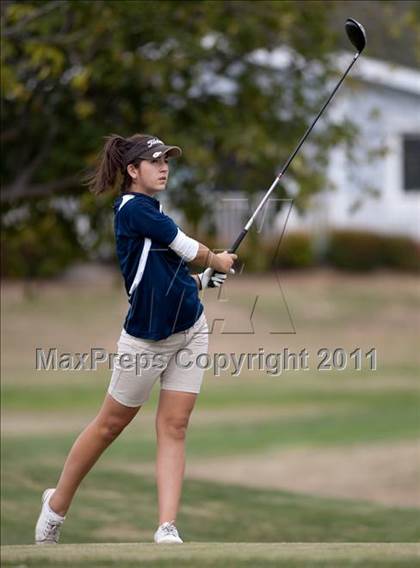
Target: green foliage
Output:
[(40, 242), (295, 251), (363, 250), (125, 66)]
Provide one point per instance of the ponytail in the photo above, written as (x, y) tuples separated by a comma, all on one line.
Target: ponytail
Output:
[(111, 167)]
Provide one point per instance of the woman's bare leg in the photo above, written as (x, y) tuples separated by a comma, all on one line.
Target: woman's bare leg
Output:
[(111, 420), (172, 417)]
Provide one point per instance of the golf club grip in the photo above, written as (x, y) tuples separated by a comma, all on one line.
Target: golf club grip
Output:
[(234, 247), (238, 241)]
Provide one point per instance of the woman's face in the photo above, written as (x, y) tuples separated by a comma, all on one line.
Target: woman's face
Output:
[(152, 175)]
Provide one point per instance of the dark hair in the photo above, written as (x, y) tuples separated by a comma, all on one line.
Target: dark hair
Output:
[(112, 167)]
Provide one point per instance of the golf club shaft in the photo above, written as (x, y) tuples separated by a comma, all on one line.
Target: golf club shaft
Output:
[(245, 230)]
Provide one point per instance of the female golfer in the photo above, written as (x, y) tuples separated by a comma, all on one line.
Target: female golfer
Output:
[(165, 319)]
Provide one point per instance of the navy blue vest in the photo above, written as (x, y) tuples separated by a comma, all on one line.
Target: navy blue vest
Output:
[(163, 295)]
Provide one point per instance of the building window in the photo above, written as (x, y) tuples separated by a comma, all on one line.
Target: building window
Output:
[(411, 162)]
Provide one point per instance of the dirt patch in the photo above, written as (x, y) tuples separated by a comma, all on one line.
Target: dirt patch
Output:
[(388, 473), (35, 423)]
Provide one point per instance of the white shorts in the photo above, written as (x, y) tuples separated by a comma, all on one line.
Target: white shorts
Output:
[(175, 360)]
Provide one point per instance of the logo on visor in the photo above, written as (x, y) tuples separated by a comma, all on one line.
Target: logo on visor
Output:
[(156, 154), (153, 142)]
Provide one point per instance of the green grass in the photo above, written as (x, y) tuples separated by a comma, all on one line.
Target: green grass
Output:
[(238, 555), (342, 418), (120, 507), (114, 505), (84, 390)]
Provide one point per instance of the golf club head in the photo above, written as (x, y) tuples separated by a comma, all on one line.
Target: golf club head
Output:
[(356, 34)]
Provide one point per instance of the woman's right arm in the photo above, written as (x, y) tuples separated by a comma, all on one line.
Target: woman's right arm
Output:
[(221, 262), (197, 253)]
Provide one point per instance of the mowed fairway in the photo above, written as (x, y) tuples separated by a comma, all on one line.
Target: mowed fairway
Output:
[(307, 457), (218, 554)]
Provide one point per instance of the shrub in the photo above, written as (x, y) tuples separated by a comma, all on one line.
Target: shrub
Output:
[(259, 254), (364, 250), (294, 251), (253, 254), (355, 250), (401, 253)]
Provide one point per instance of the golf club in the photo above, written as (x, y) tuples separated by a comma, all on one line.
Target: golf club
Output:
[(357, 35)]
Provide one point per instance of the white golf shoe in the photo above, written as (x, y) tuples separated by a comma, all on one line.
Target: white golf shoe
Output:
[(167, 534), (47, 530)]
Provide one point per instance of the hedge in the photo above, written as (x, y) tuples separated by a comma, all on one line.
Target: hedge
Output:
[(344, 249), (365, 251)]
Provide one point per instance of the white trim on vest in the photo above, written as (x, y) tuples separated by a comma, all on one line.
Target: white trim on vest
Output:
[(142, 264), (125, 200)]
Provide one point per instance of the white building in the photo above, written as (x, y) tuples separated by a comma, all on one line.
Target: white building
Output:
[(384, 102)]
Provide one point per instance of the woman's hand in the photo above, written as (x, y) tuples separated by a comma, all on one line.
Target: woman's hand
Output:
[(223, 261), (211, 279)]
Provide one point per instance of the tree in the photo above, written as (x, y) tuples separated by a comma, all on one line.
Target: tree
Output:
[(76, 71)]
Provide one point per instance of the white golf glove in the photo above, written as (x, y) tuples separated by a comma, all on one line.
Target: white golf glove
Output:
[(211, 279)]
